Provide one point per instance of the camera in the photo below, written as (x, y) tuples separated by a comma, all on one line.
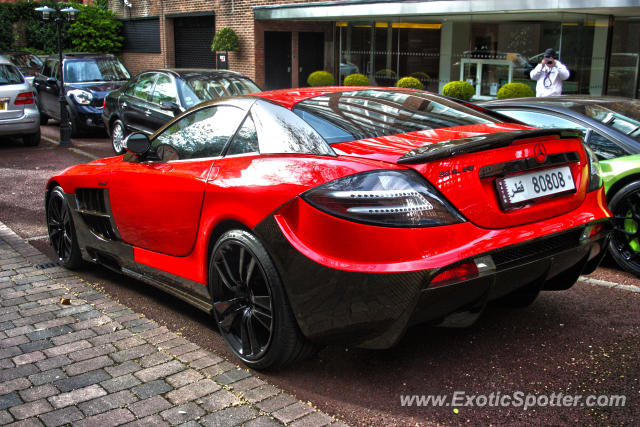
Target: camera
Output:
[(549, 62)]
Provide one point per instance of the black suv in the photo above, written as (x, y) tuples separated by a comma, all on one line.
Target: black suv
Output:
[(88, 78)]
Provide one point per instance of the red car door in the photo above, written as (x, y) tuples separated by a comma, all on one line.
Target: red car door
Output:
[(156, 204)]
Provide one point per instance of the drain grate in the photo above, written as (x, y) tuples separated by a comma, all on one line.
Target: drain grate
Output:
[(50, 264)]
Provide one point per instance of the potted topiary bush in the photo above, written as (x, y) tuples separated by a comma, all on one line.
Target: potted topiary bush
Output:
[(385, 77), (356, 80), (320, 78), (410, 83), (225, 40), (459, 90), (515, 90)]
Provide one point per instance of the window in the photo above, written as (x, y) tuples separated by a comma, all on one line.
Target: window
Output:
[(165, 90), (50, 68), (141, 35), (604, 148), (95, 70), (143, 87), (129, 89), (9, 75), (203, 133), (246, 139)]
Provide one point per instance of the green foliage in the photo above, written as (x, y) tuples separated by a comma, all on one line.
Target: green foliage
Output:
[(410, 83), (459, 89), (515, 90), (423, 77), (356, 80), (102, 29), (386, 73), (320, 78), (96, 30), (225, 40)]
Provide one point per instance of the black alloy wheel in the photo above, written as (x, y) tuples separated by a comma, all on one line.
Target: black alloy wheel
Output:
[(249, 304), (62, 233), (624, 245)]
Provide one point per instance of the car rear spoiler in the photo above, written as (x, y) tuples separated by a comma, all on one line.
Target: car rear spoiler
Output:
[(452, 147)]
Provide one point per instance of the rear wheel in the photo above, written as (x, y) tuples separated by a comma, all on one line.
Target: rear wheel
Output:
[(31, 140), (62, 232), (250, 306), (117, 137), (624, 246)]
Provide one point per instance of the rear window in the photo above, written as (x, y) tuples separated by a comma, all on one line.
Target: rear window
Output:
[(353, 115), (623, 116), (9, 75), (202, 87)]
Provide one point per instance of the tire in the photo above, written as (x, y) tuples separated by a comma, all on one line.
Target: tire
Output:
[(117, 136), (62, 232), (73, 124), (44, 119), (250, 306), (31, 140), (624, 245)]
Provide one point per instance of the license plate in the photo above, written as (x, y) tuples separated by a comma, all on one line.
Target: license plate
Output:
[(2, 106), (517, 189)]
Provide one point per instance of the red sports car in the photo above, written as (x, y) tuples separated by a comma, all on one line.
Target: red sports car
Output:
[(337, 215)]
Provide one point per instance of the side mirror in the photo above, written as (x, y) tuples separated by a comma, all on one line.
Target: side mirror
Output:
[(51, 81), (170, 106), (137, 143)]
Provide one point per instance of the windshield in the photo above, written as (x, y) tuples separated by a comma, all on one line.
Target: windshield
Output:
[(348, 116), (9, 75), (94, 70), (26, 61), (623, 116), (202, 87)]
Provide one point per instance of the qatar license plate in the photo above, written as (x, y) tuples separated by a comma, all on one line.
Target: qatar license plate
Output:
[(517, 189)]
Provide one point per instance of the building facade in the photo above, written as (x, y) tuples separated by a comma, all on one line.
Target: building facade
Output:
[(487, 43)]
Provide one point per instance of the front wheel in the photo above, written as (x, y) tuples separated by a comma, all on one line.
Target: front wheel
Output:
[(31, 140), (117, 137), (624, 245), (62, 232), (250, 305)]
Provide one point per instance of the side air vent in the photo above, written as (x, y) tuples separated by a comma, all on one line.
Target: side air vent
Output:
[(92, 207)]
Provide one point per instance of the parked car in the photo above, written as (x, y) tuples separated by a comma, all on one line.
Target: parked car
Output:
[(19, 114), (28, 63), (154, 97), (88, 78), (302, 217), (612, 130)]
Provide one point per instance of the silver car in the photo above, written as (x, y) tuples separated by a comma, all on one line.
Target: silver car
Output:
[(19, 115)]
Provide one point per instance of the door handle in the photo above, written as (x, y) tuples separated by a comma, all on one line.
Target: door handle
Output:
[(123, 105), (147, 112)]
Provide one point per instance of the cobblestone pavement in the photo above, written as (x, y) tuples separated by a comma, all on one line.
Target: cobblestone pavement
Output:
[(71, 355)]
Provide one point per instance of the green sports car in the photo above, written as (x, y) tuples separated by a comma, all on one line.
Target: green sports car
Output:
[(612, 131)]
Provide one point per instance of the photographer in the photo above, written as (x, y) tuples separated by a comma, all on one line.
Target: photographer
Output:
[(549, 73)]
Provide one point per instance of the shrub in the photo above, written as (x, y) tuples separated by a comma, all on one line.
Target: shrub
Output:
[(459, 89), (320, 78), (386, 73), (423, 77), (225, 40), (96, 30), (514, 90), (410, 83), (356, 80)]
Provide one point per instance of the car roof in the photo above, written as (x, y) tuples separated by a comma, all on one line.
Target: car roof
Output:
[(290, 97), (182, 72), (81, 55), (558, 101)]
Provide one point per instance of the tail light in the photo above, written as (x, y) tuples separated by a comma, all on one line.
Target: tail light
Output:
[(388, 198), (595, 173), (25, 98), (465, 271), (104, 103)]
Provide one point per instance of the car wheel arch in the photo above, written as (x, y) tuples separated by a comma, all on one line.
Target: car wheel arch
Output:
[(218, 230), (621, 183)]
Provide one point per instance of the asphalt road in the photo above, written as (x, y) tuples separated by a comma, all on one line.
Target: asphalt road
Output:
[(578, 342)]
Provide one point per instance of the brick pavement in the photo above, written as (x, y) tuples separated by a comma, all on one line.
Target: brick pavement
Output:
[(96, 362)]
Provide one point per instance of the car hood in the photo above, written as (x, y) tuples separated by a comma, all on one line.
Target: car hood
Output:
[(96, 87)]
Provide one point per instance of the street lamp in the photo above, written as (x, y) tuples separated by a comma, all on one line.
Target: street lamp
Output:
[(47, 15)]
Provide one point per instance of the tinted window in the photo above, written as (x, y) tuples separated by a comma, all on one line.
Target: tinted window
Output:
[(203, 133), (542, 120), (10, 75), (94, 70), (143, 86), (605, 148), (246, 139), (49, 68), (348, 116), (165, 90)]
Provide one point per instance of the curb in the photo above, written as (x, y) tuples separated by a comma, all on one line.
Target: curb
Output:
[(71, 355)]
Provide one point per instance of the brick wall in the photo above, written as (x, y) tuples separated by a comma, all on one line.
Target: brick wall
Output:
[(237, 14)]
